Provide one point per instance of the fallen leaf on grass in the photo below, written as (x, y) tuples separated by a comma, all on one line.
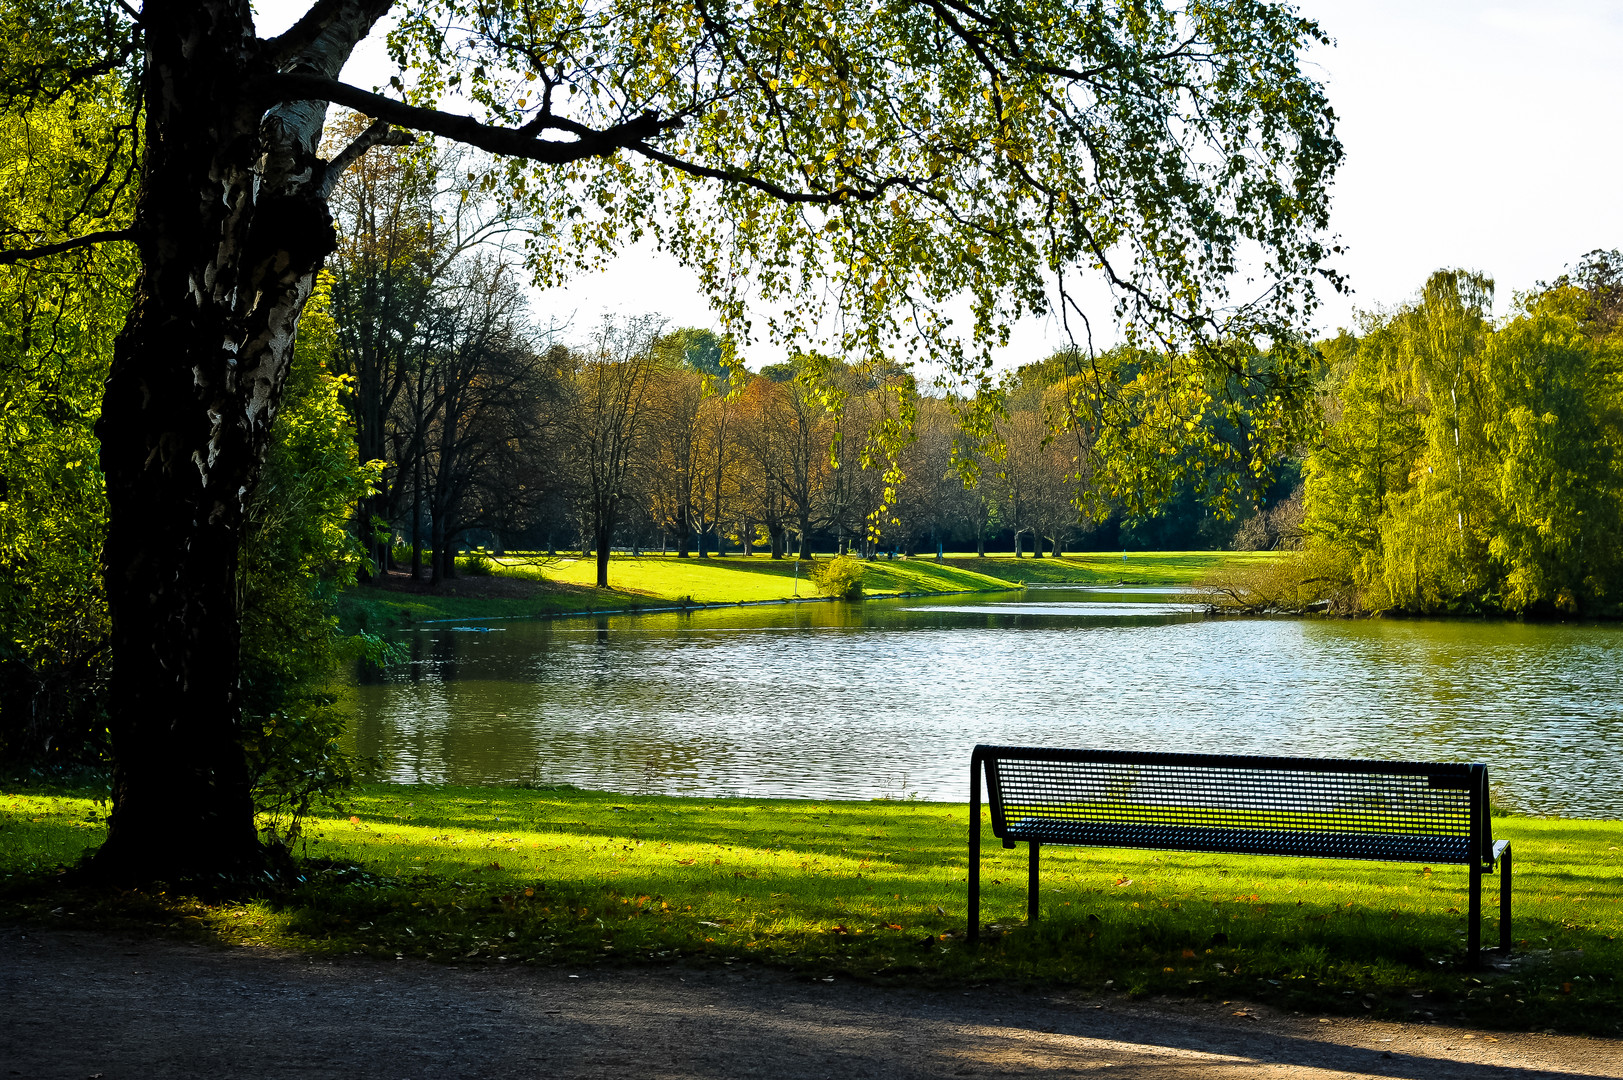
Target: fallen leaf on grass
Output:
[(1124, 881)]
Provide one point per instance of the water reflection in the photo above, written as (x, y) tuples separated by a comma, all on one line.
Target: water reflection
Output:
[(888, 697)]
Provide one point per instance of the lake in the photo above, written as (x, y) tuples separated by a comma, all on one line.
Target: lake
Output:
[(886, 698)]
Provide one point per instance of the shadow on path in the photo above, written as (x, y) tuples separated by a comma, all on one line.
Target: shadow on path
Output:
[(78, 1004)]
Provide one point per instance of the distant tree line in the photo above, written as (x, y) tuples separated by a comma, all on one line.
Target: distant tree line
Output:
[(644, 439)]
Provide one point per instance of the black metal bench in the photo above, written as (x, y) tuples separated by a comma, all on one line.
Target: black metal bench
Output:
[(1389, 811)]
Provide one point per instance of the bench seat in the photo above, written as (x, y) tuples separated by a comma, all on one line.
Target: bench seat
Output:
[(1378, 847)]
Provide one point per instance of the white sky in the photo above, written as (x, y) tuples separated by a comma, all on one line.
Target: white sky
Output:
[(1486, 137)]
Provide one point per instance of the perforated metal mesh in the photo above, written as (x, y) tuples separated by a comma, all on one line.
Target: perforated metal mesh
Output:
[(1389, 810)]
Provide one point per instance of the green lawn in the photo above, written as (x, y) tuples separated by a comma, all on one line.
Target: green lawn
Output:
[(875, 890), (1108, 568), (529, 585), (737, 578), (366, 607)]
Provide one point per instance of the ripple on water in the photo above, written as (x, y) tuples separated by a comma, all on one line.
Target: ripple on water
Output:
[(887, 698)]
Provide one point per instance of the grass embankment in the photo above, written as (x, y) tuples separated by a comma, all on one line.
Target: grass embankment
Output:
[(531, 585), (1172, 568), (876, 891)]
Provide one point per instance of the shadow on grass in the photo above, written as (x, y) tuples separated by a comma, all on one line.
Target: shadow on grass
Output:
[(876, 891)]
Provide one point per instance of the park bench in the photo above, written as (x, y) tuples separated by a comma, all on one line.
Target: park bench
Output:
[(1389, 811)]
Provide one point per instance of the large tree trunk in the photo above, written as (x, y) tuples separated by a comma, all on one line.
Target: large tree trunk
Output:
[(231, 229)]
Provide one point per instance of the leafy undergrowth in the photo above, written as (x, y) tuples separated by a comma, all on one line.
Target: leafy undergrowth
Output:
[(876, 891)]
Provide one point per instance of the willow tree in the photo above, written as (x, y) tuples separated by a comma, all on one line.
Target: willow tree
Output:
[(863, 167)]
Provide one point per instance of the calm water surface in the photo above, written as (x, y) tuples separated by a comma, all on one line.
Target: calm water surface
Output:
[(888, 697)]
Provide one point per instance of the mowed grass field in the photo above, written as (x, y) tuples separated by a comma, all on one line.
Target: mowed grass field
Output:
[(758, 577), (736, 578), (876, 891), (1170, 568), (527, 585)]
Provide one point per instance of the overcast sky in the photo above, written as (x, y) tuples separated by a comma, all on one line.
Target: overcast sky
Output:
[(1485, 137)]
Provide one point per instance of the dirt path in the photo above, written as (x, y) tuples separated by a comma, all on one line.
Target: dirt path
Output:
[(78, 1006)]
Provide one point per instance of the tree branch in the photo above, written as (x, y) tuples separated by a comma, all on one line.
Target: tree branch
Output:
[(782, 194), (323, 14), (44, 251), (378, 134), (510, 142)]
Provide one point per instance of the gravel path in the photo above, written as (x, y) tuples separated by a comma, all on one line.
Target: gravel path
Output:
[(80, 1006)]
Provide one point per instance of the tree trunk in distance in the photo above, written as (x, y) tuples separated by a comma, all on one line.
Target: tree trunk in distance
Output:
[(605, 532), (417, 521)]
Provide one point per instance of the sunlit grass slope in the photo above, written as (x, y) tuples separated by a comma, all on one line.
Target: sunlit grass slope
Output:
[(1173, 568), (528, 584), (737, 578), (876, 891)]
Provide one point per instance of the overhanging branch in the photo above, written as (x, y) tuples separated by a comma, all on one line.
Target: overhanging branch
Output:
[(776, 191), (508, 142), (7, 258)]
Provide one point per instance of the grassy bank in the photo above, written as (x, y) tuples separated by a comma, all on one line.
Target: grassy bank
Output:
[(1171, 568), (875, 891), (531, 585)]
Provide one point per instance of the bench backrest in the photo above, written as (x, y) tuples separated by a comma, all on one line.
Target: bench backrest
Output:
[(1169, 793)]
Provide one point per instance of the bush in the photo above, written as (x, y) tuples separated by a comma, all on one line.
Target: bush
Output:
[(297, 556), (476, 564), (1317, 578), (839, 577)]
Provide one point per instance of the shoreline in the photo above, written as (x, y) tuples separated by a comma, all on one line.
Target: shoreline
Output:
[(525, 587), (719, 604)]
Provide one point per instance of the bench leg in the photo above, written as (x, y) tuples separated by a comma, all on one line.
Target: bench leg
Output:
[(1504, 902), (974, 850), (1473, 920), (1031, 885)]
